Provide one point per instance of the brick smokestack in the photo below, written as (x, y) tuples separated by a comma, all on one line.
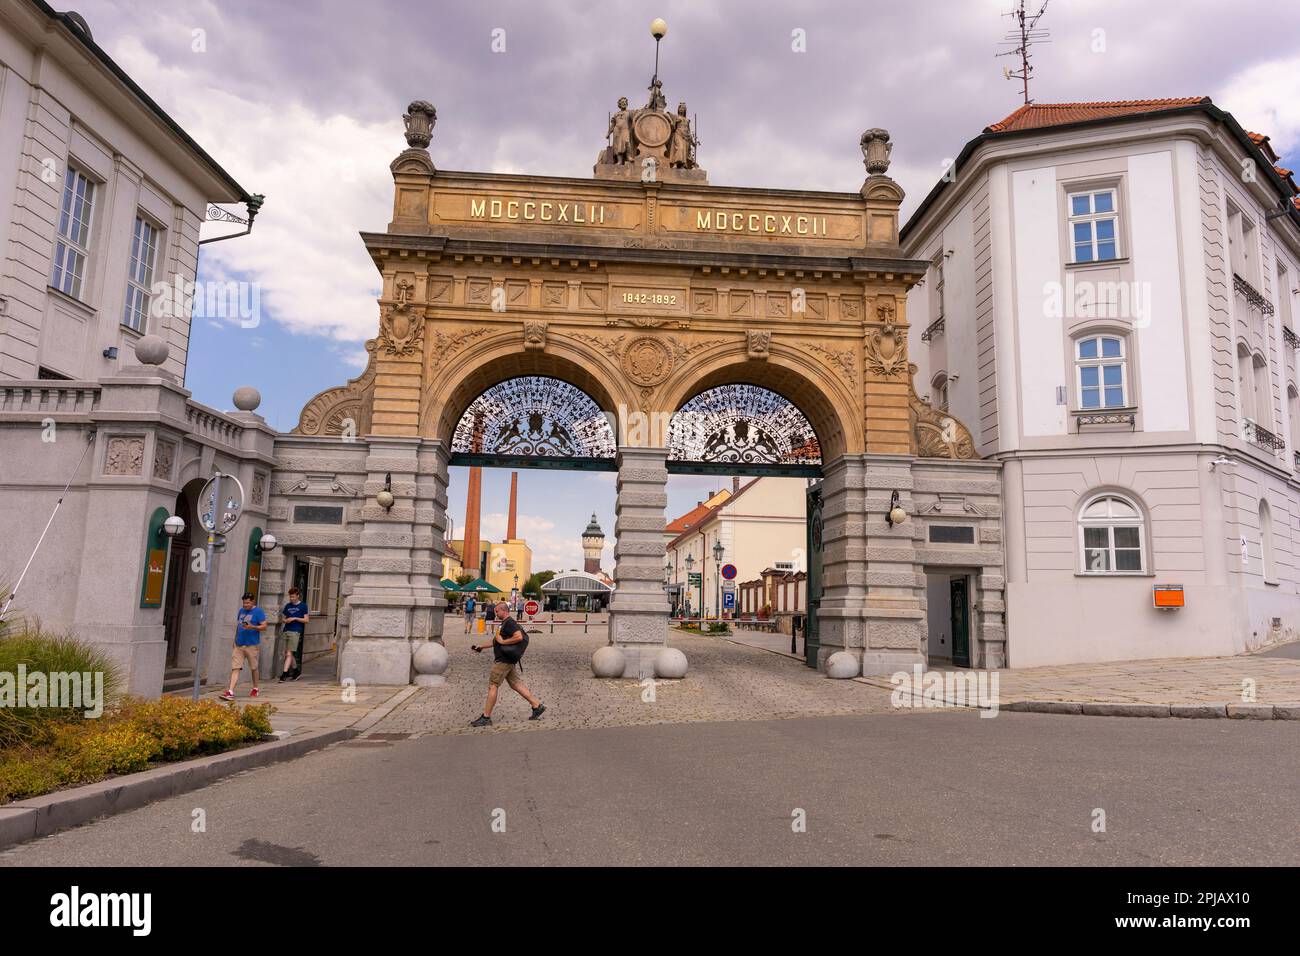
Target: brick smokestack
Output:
[(469, 558), (511, 529)]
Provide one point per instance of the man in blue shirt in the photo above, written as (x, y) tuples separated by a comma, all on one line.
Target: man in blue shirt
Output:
[(249, 625), (293, 620)]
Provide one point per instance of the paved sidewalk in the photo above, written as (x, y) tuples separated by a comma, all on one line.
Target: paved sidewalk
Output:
[(316, 702), (1185, 681)]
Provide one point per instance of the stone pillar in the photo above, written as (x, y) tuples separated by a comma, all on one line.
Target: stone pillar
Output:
[(895, 608), (638, 611), (396, 604), (840, 618)]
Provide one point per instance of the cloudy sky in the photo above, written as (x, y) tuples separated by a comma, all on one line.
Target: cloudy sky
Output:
[(302, 101)]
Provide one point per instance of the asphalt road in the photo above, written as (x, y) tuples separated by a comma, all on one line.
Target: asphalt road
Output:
[(944, 788)]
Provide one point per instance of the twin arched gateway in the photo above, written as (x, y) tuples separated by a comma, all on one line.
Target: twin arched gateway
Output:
[(643, 324)]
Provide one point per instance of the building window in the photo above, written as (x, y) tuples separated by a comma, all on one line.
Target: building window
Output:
[(1110, 536), (1099, 363), (71, 248), (1094, 226), (139, 280), (939, 398), (1267, 565)]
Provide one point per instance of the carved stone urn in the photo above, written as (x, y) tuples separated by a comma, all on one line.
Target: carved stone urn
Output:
[(420, 118), (876, 148)]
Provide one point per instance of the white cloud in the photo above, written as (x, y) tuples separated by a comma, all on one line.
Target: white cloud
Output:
[(1266, 99), (324, 177)]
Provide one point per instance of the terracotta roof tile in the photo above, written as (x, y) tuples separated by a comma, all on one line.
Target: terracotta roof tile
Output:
[(688, 520), (1040, 115)]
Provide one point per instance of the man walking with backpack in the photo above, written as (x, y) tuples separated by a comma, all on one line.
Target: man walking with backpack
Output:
[(508, 646), (469, 613)]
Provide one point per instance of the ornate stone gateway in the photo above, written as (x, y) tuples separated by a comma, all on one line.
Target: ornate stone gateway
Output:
[(642, 321)]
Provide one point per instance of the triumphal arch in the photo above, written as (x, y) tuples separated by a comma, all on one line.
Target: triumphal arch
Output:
[(640, 320)]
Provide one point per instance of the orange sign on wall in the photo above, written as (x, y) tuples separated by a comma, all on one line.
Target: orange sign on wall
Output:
[(1166, 596)]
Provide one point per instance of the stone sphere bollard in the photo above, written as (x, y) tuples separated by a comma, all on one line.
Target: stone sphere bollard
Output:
[(430, 661), (152, 350), (608, 661), (247, 398), (842, 665), (670, 663)]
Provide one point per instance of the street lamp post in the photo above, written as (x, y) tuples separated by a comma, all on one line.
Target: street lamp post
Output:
[(690, 563), (717, 574)]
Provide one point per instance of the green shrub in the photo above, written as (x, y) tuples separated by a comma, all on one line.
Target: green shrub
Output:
[(26, 773), (42, 652)]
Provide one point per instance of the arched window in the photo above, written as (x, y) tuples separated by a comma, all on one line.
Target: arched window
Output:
[(1111, 536), (1245, 383), (939, 387), (1263, 398), (1268, 567), (1100, 376)]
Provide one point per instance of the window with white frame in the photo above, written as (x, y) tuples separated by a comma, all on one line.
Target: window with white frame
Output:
[(937, 262), (1100, 374), (1094, 225), (72, 245), (139, 279), (1110, 536), (939, 399)]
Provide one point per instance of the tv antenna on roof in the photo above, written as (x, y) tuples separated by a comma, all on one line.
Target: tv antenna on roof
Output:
[(1025, 35)]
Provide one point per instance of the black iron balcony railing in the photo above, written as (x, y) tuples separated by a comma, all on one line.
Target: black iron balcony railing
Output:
[(1290, 338), (1252, 296), (1297, 461), (1261, 436), (1107, 416), (933, 329)]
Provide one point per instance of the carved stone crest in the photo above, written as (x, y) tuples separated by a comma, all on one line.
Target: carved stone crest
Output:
[(758, 344), (886, 349), (124, 456), (534, 336), (400, 332), (164, 454), (647, 361)]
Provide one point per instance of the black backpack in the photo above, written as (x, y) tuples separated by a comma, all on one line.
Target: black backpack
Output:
[(514, 652)]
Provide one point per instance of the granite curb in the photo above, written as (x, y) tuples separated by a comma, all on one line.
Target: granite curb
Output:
[(40, 816), (1186, 711)]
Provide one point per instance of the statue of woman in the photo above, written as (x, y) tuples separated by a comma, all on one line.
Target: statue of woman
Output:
[(620, 131), (680, 141)]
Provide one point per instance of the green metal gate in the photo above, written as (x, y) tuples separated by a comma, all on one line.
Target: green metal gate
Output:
[(812, 642)]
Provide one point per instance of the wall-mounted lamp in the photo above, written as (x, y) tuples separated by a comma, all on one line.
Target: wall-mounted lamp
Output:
[(385, 496), (110, 352), (896, 514), (174, 526), (267, 542)]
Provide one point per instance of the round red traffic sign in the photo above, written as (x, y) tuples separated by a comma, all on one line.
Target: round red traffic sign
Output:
[(531, 608), (728, 571)]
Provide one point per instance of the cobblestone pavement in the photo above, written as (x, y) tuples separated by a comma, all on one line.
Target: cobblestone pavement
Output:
[(1274, 680), (726, 681)]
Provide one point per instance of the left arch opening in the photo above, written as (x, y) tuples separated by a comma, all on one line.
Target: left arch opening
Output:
[(534, 420)]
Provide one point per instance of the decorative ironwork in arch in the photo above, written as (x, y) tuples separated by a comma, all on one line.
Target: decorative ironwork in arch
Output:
[(747, 427), (533, 417)]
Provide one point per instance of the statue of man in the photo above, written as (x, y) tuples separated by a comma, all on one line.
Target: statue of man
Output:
[(657, 99), (620, 133), (681, 141)]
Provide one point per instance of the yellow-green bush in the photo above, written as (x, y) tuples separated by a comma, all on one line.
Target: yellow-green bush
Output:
[(126, 740)]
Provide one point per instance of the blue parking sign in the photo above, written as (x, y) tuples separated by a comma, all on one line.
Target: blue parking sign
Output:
[(728, 600)]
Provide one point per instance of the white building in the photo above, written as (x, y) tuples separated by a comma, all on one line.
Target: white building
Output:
[(101, 198), (758, 525), (1110, 310)]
